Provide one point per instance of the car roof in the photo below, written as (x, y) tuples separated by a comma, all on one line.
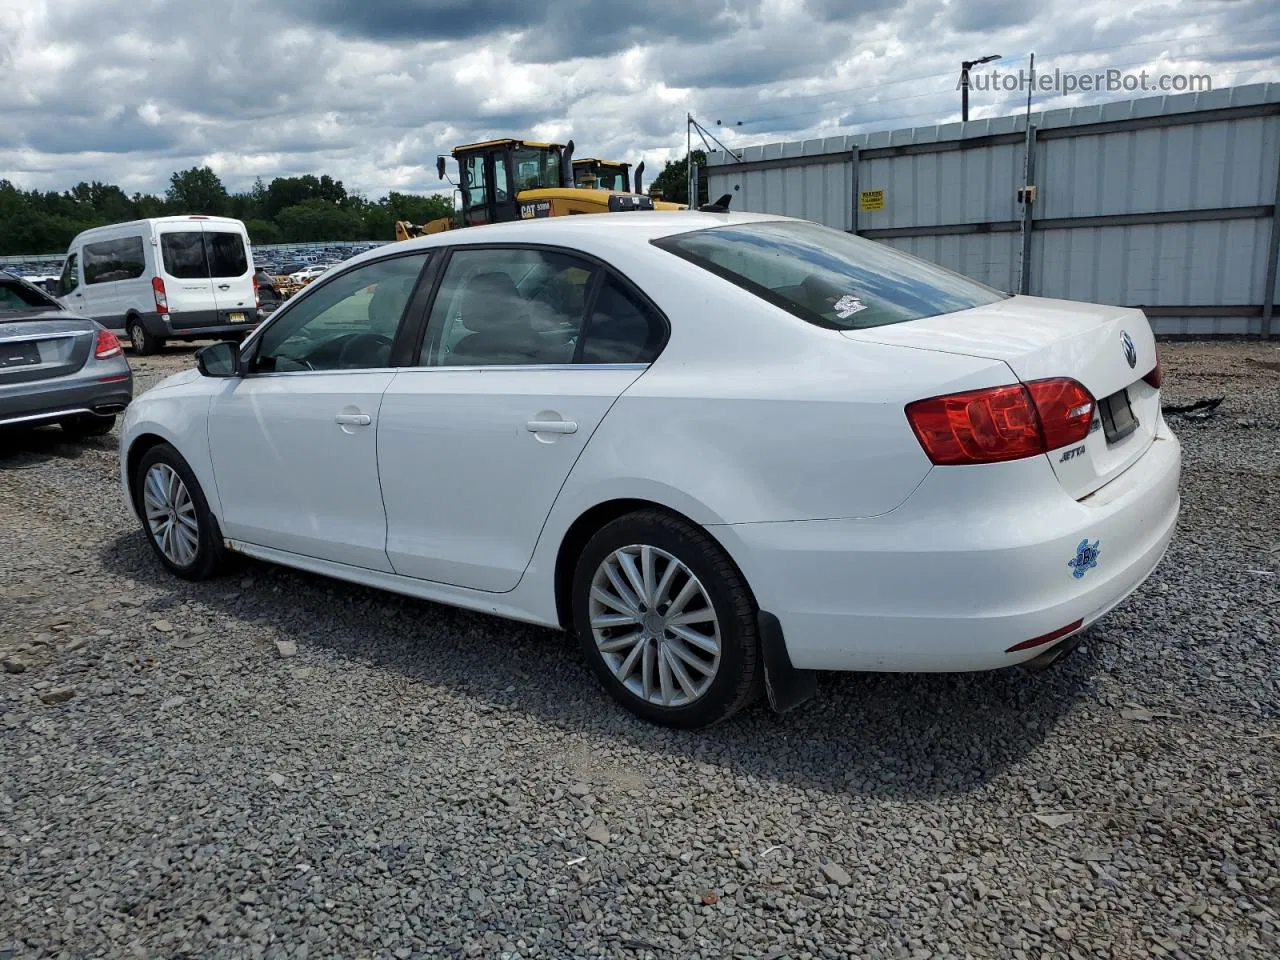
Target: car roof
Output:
[(639, 227)]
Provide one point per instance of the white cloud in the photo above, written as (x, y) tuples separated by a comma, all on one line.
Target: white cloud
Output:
[(128, 91)]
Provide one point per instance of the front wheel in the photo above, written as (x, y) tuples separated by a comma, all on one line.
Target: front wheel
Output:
[(667, 621), (176, 516)]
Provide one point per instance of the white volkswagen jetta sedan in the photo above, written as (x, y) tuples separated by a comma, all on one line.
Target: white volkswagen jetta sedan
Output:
[(726, 450)]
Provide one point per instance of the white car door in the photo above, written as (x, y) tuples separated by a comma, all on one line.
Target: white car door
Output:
[(517, 370), (293, 441), (230, 272)]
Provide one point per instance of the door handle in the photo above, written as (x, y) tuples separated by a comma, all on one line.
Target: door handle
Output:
[(353, 419), (551, 426), (224, 286)]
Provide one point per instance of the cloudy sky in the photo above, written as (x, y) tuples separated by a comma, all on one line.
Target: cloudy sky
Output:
[(370, 91)]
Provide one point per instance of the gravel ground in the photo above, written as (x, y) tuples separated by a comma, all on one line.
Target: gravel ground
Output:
[(278, 765)]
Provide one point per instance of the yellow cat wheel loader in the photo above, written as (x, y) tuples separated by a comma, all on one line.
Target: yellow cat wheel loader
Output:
[(510, 179)]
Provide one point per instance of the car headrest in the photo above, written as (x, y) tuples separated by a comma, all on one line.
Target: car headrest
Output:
[(388, 303), (490, 302)]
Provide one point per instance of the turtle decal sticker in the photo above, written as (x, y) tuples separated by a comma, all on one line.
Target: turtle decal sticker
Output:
[(1086, 558)]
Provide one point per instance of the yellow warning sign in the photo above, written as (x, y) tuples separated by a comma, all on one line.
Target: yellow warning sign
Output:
[(869, 201)]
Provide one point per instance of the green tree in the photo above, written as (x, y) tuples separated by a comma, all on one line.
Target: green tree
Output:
[(263, 231), (197, 191), (314, 221), (673, 181)]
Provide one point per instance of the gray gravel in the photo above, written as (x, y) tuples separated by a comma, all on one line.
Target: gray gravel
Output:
[(277, 765)]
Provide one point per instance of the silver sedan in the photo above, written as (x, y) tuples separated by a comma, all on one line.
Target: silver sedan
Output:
[(57, 366)]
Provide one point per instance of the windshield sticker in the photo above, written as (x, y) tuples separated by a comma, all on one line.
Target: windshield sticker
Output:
[(848, 305)]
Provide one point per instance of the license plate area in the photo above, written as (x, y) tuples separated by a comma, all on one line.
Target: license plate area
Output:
[(18, 355), (1118, 420), (237, 317)]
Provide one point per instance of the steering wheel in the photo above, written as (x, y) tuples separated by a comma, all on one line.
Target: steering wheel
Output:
[(363, 340)]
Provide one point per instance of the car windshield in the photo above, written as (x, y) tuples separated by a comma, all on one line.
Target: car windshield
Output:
[(17, 298), (828, 277)]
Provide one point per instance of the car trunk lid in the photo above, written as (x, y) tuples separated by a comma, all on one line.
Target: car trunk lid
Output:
[(1107, 349), (41, 346)]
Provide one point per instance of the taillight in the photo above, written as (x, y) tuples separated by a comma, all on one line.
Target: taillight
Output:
[(1065, 409), (1002, 423), (257, 297), (1156, 376), (162, 300), (107, 346)]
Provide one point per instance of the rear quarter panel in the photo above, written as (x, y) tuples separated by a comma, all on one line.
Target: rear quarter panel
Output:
[(751, 414)]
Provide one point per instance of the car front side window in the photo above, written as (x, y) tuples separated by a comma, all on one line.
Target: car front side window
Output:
[(69, 280), (347, 323)]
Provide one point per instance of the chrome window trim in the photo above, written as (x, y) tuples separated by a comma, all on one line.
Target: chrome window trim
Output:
[(559, 367)]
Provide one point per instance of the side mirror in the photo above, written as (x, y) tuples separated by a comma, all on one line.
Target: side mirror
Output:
[(440, 167), (220, 359)]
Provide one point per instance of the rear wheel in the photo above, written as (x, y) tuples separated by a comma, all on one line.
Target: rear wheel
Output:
[(87, 425), (143, 343), (176, 516), (667, 621)]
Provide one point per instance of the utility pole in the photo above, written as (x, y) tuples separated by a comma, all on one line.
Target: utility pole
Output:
[(965, 67), (688, 160)]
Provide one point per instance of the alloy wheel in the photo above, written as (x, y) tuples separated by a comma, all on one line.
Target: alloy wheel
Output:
[(171, 514), (654, 625)]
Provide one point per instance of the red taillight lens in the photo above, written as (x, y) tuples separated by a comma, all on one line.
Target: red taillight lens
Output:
[(1065, 409), (108, 345), (1156, 376), (1002, 423), (162, 299), (979, 426), (257, 297)]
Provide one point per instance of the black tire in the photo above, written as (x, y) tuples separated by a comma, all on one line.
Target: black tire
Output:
[(87, 425), (143, 343), (210, 555), (738, 679)]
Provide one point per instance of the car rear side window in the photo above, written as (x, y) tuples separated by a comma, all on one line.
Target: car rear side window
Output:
[(110, 260), (622, 327), (828, 277), (183, 255), (227, 257), (509, 306)]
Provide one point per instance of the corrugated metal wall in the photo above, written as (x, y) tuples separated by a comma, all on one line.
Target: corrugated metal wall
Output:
[(1167, 203)]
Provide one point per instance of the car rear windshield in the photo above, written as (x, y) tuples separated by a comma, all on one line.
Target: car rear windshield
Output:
[(828, 277), (199, 255), (18, 297)]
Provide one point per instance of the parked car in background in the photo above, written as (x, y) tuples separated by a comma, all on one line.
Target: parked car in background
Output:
[(727, 450), (307, 274), (268, 291), (166, 278), (56, 366)]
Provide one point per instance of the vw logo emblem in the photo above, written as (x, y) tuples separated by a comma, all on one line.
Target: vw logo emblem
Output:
[(1130, 351)]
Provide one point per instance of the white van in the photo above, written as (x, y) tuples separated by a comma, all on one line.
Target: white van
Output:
[(167, 278)]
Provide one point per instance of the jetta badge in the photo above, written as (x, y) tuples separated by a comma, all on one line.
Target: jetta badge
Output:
[(1130, 351), (1086, 558)]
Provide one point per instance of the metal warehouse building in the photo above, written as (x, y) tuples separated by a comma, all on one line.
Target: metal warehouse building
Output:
[(1165, 203)]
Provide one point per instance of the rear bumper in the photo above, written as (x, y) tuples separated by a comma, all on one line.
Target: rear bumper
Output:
[(199, 324), (976, 561), (78, 394)]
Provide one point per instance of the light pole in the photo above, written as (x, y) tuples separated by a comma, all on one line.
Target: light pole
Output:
[(965, 67)]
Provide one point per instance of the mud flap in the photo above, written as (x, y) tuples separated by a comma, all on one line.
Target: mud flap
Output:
[(785, 686)]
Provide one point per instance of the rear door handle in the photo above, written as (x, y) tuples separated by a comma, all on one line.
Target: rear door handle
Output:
[(551, 426), (353, 419), (224, 286)]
